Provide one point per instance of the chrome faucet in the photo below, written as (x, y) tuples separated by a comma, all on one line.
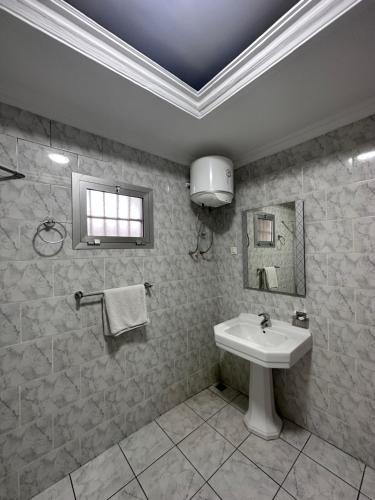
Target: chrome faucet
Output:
[(266, 321)]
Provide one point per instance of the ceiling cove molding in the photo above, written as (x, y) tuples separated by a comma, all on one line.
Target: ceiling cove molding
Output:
[(333, 122), (72, 28)]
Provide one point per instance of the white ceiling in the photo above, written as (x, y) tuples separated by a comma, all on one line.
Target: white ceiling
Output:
[(327, 82)]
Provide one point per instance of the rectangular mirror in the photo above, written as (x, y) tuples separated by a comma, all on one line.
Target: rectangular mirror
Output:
[(274, 248)]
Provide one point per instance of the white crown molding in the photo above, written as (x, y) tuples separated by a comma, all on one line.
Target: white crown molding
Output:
[(64, 23), (333, 122)]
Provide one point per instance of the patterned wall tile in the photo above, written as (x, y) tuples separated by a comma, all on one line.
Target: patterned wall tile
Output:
[(25, 280), (75, 140), (9, 409), (20, 199), (20, 123), (49, 317), (24, 445), (8, 150), (74, 420), (10, 324), (24, 362), (80, 274), (353, 200), (49, 469), (45, 396), (34, 160)]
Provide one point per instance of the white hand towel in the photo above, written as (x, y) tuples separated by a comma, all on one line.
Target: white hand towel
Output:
[(126, 308), (271, 277)]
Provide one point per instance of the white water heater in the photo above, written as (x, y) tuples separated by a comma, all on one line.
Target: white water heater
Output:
[(211, 181)]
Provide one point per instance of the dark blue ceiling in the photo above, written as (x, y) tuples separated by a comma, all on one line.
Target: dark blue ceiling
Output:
[(193, 39)]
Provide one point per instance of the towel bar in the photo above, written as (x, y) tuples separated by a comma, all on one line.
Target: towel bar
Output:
[(79, 295)]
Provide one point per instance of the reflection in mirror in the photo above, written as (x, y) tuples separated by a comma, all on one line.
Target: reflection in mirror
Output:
[(273, 248)]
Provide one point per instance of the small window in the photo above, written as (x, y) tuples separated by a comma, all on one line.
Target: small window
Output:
[(108, 215), (264, 230)]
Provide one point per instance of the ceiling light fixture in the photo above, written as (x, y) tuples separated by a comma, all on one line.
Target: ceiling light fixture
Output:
[(366, 156), (57, 158)]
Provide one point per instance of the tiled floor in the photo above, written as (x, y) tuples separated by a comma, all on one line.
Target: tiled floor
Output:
[(202, 450)]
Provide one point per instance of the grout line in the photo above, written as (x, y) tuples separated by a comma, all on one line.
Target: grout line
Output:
[(71, 482), (135, 475), (329, 470)]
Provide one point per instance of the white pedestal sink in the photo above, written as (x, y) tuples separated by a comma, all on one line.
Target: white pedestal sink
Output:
[(278, 346)]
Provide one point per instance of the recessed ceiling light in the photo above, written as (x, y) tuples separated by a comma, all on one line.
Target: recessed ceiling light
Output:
[(366, 156), (57, 158)]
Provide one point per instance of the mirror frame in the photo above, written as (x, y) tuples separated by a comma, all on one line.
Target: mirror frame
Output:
[(300, 236)]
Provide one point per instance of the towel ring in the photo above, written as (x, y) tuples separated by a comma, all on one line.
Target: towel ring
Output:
[(49, 223)]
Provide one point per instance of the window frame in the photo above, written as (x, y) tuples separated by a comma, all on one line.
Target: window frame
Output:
[(263, 243), (80, 239)]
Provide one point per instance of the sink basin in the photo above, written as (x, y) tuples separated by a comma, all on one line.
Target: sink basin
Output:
[(278, 346), (281, 346)]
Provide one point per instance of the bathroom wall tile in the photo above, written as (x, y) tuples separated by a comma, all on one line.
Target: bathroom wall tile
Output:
[(8, 150), (9, 487), (330, 170), (315, 205), (81, 274), (99, 168), (100, 374), (25, 444), (366, 380), (9, 324), (75, 348), (61, 203), (20, 123), (335, 368), (10, 237), (147, 354), (47, 395), (331, 302), (124, 396), (159, 378), (329, 236), (123, 272), (318, 327), (141, 414), (20, 199), (187, 364), (353, 200), (34, 160), (118, 153), (316, 268), (352, 270), (9, 409), (364, 234), (74, 420), (25, 280), (75, 140), (50, 468), (357, 411), (102, 437), (24, 362), (171, 396), (365, 306), (284, 184), (353, 340), (49, 317)]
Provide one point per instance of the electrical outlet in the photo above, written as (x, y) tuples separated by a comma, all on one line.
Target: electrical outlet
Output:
[(233, 250)]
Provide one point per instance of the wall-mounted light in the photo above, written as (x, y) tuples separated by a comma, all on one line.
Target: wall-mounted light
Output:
[(58, 158), (366, 156)]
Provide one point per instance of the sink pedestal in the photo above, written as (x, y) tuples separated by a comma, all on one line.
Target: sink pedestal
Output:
[(261, 417)]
